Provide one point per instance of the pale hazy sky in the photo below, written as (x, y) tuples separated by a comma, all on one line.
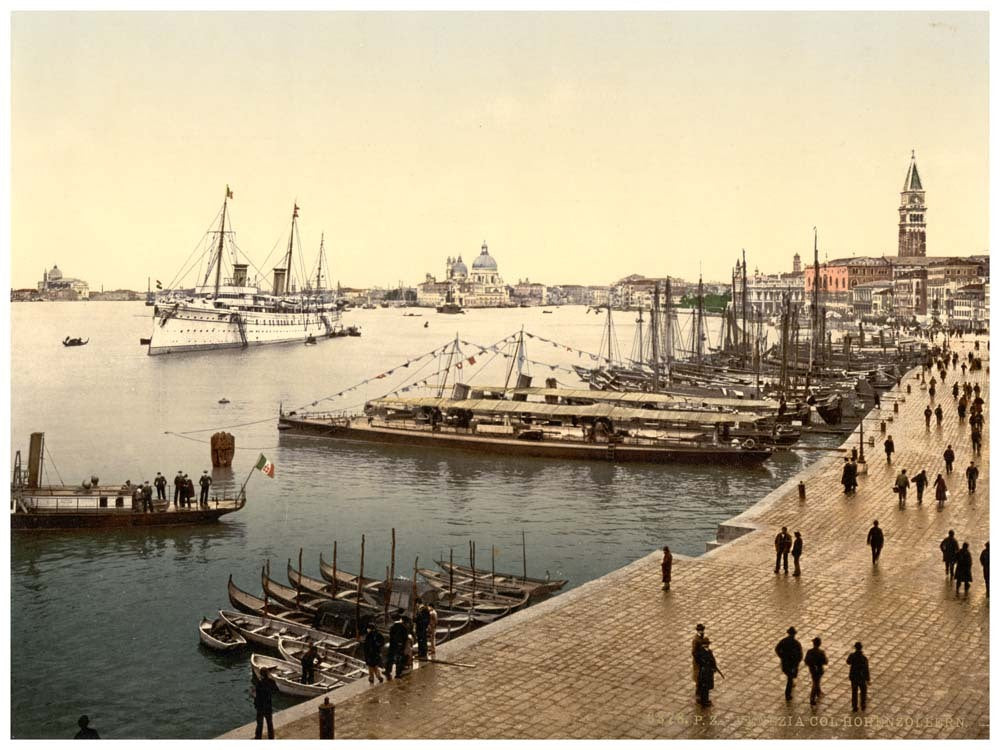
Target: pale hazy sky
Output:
[(581, 147)]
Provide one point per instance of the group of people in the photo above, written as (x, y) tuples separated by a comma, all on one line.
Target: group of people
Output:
[(184, 489), (403, 634), (142, 494), (784, 545), (958, 562), (790, 655)]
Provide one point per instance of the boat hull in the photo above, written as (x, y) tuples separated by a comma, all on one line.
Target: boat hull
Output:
[(21, 521), (358, 431)]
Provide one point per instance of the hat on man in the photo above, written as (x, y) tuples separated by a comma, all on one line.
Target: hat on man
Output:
[(699, 626), (83, 721), (791, 631)]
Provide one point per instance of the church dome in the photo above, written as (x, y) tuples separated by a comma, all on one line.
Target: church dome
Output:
[(458, 267), (55, 274), (485, 261)]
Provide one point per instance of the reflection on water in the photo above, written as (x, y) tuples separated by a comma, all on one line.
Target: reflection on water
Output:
[(105, 623)]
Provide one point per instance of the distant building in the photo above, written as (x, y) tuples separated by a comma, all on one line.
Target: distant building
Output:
[(766, 293), (838, 277), (872, 299), (912, 210), (56, 286), (482, 287), (971, 312)]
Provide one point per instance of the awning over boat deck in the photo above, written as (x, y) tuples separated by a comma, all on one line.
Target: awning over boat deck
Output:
[(636, 397), (495, 407)]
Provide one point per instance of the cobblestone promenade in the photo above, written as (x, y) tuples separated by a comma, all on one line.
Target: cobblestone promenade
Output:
[(612, 659)]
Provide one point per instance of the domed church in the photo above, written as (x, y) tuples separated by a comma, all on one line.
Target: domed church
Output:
[(483, 287)]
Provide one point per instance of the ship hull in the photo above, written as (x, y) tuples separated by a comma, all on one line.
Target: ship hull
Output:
[(358, 431), (186, 328), (119, 520)]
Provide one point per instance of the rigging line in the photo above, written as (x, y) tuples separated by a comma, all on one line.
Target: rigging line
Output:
[(224, 427), (198, 245), (52, 461), (239, 448)]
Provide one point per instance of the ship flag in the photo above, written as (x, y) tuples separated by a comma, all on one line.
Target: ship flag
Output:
[(265, 465)]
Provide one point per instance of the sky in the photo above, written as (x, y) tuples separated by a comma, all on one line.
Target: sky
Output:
[(581, 147)]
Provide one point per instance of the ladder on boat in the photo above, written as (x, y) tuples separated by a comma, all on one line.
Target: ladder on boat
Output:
[(326, 324), (238, 319), (17, 484)]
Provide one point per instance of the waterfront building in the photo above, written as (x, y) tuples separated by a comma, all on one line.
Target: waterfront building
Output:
[(481, 287), (56, 286), (838, 277), (527, 293), (970, 311), (912, 211), (872, 300), (766, 292)]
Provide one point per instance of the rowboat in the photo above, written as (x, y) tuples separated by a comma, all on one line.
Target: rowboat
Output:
[(264, 632), (288, 677), (219, 636), (536, 587), (331, 662)]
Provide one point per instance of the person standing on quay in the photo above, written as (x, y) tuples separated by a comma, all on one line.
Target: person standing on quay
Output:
[(161, 486), (920, 482), (849, 477), (928, 413), (949, 459), (422, 622), (697, 642), (984, 560), (876, 540), (816, 661), (890, 448), (782, 546), (372, 649), (707, 667), (938, 414), (263, 702), (666, 567), (797, 553), (902, 485), (963, 568), (859, 676), (398, 635), (432, 630), (971, 475), (949, 553), (789, 651), (190, 490)]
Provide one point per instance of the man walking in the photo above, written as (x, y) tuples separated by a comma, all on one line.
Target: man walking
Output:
[(949, 553), (920, 482), (972, 474), (262, 701), (890, 448), (397, 643), (161, 486), (876, 540), (789, 651), (797, 553), (205, 482), (782, 546), (859, 676), (949, 459), (697, 642), (927, 417), (938, 414), (963, 568), (977, 440), (816, 661), (902, 485), (707, 667), (984, 560)]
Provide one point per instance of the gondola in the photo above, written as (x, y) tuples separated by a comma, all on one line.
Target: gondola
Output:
[(253, 605), (75, 341), (536, 587), (219, 636)]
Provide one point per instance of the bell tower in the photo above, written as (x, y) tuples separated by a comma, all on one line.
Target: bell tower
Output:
[(912, 226)]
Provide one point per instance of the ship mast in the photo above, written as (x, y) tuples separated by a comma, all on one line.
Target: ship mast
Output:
[(815, 306), (319, 265), (222, 239), (655, 315), (288, 256)]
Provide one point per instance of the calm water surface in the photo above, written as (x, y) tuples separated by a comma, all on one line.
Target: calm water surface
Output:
[(105, 623)]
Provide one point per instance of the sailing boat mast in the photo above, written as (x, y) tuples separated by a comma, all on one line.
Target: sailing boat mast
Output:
[(815, 306), (609, 332), (746, 326), (655, 321), (668, 328), (222, 239), (319, 265), (288, 256), (701, 320)]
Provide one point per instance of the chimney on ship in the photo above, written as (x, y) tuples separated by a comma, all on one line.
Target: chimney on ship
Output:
[(35, 454), (279, 281)]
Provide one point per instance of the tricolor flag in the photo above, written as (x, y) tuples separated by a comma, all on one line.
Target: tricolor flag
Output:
[(295, 212), (265, 466), (229, 193)]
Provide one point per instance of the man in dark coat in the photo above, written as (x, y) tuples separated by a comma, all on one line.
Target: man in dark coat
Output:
[(928, 413), (938, 414), (782, 546), (977, 441), (707, 667), (696, 643), (816, 661), (422, 622), (161, 486), (845, 476), (147, 498), (949, 459), (205, 482), (901, 486), (262, 701), (309, 659), (890, 448), (797, 553), (666, 567), (876, 540), (86, 732), (859, 676), (963, 568), (984, 560), (949, 553), (789, 651), (190, 490), (178, 485), (940, 491), (971, 475), (373, 652), (920, 482), (398, 634)]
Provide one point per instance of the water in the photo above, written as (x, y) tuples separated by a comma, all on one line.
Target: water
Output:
[(105, 623)]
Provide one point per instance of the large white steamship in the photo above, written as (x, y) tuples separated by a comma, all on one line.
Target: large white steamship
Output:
[(231, 312)]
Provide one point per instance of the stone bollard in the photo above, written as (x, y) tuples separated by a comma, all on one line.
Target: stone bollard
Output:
[(326, 720), (907, 387), (895, 407), (802, 490), (881, 426)]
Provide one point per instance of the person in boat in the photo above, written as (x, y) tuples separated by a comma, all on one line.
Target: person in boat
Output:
[(136, 498), (263, 700), (309, 659), (372, 649), (666, 567), (86, 732), (147, 497), (178, 484), (398, 633), (422, 622), (205, 482), (189, 494), (161, 486)]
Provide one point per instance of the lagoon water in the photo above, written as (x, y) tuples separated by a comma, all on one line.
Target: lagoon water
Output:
[(105, 623)]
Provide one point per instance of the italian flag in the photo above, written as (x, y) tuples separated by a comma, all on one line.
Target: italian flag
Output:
[(265, 465)]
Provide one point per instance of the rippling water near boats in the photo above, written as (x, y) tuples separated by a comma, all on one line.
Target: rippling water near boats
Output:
[(106, 623)]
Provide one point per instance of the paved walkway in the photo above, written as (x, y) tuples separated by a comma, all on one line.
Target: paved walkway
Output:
[(612, 659)]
